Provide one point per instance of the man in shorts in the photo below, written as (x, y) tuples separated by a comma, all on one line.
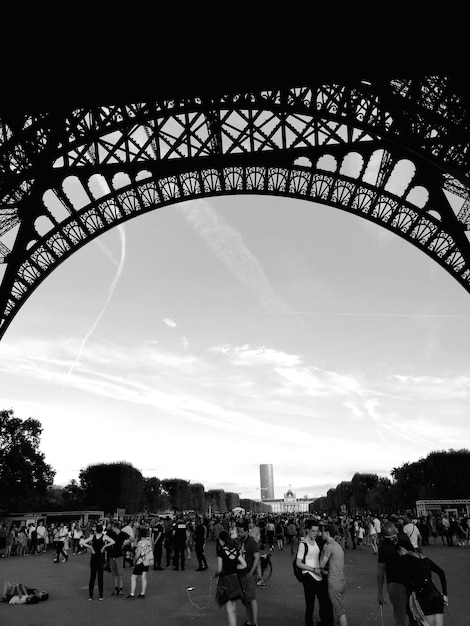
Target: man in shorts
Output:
[(332, 558), (115, 556), (250, 551)]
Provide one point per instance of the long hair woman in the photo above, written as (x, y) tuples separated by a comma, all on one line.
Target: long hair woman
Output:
[(229, 560), (426, 601)]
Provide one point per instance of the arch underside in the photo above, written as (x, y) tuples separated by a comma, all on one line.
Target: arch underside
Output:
[(107, 166), (419, 227)]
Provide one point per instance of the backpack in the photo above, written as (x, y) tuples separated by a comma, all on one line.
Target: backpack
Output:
[(146, 554), (299, 573)]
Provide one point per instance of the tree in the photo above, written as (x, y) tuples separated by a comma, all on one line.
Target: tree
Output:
[(197, 497), (73, 497), (178, 493), (109, 486), (215, 498), (155, 498), (447, 474), (24, 474), (361, 485)]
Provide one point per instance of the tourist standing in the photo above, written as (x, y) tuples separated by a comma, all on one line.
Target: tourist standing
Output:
[(141, 566), (200, 536), (229, 561), (115, 554), (332, 559), (248, 575), (98, 542), (315, 586), (158, 536)]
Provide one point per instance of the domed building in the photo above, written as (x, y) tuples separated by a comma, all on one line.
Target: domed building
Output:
[(289, 503)]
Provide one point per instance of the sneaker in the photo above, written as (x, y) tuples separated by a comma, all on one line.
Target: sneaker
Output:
[(261, 584), (141, 595), (130, 597), (120, 593), (90, 599), (101, 598)]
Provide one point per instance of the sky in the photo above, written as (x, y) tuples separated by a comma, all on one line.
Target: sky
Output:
[(209, 337)]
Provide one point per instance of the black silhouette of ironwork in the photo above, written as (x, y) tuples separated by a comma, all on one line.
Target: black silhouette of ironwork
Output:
[(394, 150)]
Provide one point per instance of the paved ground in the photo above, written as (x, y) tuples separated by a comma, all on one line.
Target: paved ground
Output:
[(168, 602)]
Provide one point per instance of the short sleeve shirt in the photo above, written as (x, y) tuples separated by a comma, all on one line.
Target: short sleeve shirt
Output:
[(249, 549)]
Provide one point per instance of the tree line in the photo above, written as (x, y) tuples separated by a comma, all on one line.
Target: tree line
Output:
[(442, 475), (27, 483)]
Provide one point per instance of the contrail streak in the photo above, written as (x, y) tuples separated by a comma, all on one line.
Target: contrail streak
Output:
[(227, 244), (112, 287)]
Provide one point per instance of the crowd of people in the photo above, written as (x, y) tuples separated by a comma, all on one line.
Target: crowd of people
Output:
[(316, 542)]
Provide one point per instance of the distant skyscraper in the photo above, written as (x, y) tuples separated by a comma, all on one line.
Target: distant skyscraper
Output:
[(266, 479)]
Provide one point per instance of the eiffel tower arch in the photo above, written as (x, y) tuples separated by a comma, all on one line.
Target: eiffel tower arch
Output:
[(392, 149)]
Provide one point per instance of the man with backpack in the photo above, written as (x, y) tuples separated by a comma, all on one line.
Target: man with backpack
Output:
[(315, 585)]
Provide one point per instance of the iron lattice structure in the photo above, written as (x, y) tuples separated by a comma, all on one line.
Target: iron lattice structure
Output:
[(395, 151)]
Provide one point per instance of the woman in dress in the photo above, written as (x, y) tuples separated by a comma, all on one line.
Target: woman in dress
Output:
[(229, 560), (426, 601), (97, 542)]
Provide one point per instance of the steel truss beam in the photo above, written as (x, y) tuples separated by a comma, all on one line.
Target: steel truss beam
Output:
[(395, 152)]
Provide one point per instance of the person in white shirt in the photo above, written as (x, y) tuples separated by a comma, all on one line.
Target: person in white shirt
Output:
[(41, 531), (315, 586), (412, 531)]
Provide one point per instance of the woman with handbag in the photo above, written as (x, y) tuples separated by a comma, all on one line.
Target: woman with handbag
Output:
[(229, 590)]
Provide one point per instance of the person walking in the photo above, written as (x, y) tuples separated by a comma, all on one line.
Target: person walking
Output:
[(412, 530), (332, 560), (315, 586), (61, 538), (98, 543), (391, 568), (425, 599), (372, 535), (229, 561)]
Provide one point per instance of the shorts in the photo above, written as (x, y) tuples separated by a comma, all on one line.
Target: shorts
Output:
[(336, 591), (116, 566), (139, 568), (248, 584)]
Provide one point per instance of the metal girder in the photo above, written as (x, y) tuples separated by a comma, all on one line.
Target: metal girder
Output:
[(68, 175)]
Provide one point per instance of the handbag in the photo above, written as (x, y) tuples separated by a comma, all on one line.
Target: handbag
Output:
[(228, 588)]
